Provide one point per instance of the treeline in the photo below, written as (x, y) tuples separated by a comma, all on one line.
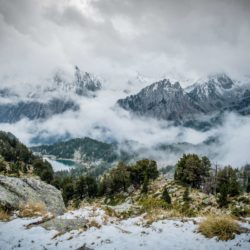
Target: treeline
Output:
[(16, 158), (196, 172), (114, 181), (191, 171)]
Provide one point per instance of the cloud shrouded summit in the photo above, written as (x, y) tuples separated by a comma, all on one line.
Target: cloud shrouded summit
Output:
[(115, 38)]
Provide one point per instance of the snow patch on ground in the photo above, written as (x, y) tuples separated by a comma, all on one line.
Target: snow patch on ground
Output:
[(114, 234)]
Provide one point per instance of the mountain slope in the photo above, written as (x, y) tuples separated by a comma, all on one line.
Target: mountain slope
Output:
[(16, 159), (85, 149)]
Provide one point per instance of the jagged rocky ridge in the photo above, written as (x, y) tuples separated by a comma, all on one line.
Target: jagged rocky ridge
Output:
[(57, 96), (169, 101)]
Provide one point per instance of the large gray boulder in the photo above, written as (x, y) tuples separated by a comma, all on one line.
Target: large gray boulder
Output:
[(15, 191)]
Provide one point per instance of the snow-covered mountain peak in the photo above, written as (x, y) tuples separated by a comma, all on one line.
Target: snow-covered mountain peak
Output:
[(164, 86), (218, 80), (222, 80), (211, 85), (86, 80)]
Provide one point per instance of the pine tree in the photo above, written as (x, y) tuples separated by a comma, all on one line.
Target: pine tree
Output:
[(186, 197), (228, 177), (145, 184), (91, 186), (81, 187), (68, 192), (248, 185), (165, 196), (186, 206), (191, 170), (223, 201)]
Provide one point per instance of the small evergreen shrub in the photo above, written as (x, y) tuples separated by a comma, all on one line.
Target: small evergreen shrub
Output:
[(223, 196), (165, 196)]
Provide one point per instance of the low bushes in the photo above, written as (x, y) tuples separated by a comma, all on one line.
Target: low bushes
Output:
[(149, 204)]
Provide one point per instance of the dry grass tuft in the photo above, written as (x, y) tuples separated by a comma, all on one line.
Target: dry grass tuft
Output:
[(4, 216), (224, 227), (94, 223), (32, 209)]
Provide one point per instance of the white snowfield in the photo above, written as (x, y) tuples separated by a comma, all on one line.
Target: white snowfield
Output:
[(113, 234)]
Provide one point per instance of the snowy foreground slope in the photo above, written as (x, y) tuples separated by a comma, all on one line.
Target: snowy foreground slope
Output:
[(113, 234)]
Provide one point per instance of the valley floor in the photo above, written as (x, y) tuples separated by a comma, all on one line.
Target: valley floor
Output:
[(110, 233)]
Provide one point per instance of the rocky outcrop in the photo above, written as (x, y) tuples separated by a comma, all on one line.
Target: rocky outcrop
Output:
[(16, 191)]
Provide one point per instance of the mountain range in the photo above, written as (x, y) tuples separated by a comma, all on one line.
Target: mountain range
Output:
[(205, 98), (199, 105), (55, 96)]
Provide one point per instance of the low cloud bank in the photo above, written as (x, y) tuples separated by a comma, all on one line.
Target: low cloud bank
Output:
[(101, 119)]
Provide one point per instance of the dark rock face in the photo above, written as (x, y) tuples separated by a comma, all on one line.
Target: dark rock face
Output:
[(161, 100), (167, 101)]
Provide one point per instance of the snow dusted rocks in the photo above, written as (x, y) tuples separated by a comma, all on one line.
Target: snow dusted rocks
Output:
[(162, 100), (15, 191)]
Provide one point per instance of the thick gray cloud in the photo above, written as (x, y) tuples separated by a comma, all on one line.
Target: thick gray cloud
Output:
[(117, 38)]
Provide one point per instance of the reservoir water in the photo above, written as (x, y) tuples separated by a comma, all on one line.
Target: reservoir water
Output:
[(63, 164)]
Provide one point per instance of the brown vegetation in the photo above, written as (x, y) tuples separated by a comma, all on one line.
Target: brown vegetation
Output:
[(4, 216), (223, 227), (32, 209)]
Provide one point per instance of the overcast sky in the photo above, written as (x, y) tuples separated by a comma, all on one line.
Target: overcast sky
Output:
[(116, 39)]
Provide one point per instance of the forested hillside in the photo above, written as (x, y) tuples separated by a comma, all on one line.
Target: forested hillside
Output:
[(16, 159)]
